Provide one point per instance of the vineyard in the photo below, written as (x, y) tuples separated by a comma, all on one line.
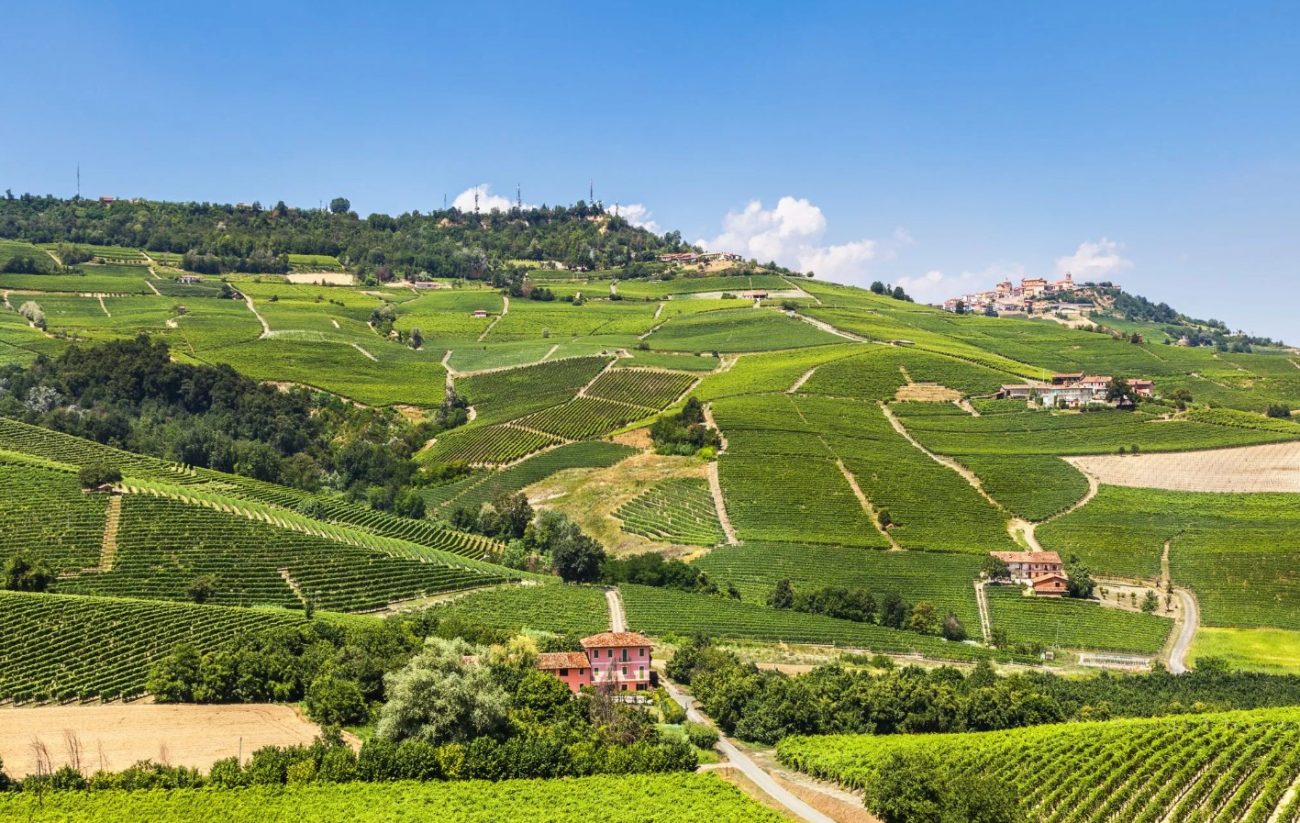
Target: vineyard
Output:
[(941, 579), (1097, 432), (482, 489), (1237, 552), (488, 446), (680, 510), (163, 545), (584, 417), (641, 387), (103, 647), (504, 395), (691, 798), (1236, 766), (559, 608), (46, 513), (1034, 487), (664, 611), (1073, 624)]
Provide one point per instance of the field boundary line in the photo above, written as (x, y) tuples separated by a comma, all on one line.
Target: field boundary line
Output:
[(364, 353), (969, 476), (720, 503), (829, 329), (112, 522), (803, 378), (982, 604), (266, 327), (866, 504)]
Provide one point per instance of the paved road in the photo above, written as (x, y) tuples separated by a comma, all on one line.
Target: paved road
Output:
[(1191, 620), (748, 767)]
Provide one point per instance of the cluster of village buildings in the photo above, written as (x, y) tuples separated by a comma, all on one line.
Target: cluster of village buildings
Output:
[(1072, 390), (1033, 293), (688, 257)]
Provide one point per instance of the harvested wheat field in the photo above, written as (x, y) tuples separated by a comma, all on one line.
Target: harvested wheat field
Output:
[(115, 735), (1270, 468)]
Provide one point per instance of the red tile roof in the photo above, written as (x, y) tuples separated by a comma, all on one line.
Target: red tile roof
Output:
[(1028, 557), (615, 639), (548, 661)]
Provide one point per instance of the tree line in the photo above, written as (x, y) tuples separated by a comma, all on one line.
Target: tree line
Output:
[(872, 696), (440, 243)]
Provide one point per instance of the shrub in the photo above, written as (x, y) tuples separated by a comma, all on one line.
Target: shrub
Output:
[(701, 736), (98, 474)]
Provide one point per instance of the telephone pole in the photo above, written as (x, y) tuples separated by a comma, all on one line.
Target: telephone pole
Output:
[(519, 197), (78, 179)]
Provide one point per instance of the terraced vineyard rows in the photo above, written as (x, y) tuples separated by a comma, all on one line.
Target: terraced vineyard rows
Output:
[(164, 545), (46, 514), (1235, 766), (57, 647), (1073, 624), (663, 611), (504, 395), (559, 608), (679, 510), (488, 446), (486, 488), (75, 451), (642, 387), (584, 417)]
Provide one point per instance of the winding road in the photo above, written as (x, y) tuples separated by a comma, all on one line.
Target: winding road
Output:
[(1186, 633), (737, 758)]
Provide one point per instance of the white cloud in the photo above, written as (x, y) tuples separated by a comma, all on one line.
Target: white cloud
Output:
[(789, 233), (487, 201), (638, 215), (1094, 261)]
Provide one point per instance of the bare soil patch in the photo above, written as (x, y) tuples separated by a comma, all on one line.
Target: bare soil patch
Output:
[(637, 438), (590, 496), (321, 278), (1270, 468), (927, 393), (115, 735)]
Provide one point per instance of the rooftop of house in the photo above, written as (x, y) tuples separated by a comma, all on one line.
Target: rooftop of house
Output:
[(562, 660), (1028, 557), (615, 640)]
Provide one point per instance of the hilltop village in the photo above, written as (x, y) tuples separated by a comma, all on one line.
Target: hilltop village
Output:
[(1034, 295)]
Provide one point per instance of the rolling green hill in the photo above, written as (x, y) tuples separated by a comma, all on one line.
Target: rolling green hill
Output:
[(863, 446)]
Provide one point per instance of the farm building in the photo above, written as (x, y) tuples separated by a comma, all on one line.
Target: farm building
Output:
[(1025, 566), (615, 660), (573, 668), (479, 313), (189, 279), (1051, 584)]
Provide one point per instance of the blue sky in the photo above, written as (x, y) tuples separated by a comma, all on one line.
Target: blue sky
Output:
[(941, 145)]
